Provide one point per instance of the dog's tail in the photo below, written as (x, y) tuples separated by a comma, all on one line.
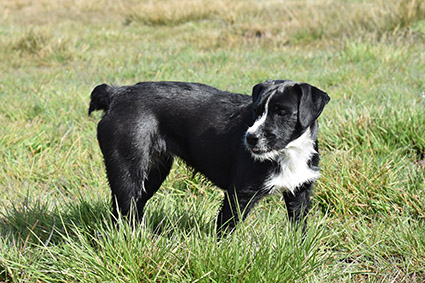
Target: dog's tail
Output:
[(101, 98)]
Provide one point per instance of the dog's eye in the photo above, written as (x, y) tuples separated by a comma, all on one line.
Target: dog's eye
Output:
[(279, 111)]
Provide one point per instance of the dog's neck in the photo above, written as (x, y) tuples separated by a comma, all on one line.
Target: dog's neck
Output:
[(293, 168)]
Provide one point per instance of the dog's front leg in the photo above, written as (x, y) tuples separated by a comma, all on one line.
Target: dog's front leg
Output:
[(236, 206), (298, 204)]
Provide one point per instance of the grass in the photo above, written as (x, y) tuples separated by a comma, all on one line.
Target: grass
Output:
[(368, 217)]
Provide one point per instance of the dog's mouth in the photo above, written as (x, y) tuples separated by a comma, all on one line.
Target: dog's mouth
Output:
[(257, 151), (260, 151), (264, 155), (254, 145)]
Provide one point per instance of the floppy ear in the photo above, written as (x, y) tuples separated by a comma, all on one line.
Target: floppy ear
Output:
[(312, 102), (258, 89)]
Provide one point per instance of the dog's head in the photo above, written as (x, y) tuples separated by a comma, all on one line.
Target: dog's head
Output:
[(283, 111)]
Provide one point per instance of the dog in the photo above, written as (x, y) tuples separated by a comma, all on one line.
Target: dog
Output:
[(250, 147)]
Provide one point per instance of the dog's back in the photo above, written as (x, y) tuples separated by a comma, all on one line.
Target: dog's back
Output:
[(184, 94)]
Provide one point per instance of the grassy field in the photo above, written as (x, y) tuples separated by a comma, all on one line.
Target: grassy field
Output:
[(368, 218)]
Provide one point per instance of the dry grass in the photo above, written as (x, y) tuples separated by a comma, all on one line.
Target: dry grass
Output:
[(283, 22), (44, 12), (157, 13), (274, 22)]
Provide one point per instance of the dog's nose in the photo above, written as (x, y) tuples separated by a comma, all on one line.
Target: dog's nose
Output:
[(251, 139)]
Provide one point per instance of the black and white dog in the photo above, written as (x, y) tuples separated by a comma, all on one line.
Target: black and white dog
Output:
[(248, 146)]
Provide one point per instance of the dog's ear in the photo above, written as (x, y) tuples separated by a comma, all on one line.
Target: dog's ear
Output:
[(258, 89), (312, 102)]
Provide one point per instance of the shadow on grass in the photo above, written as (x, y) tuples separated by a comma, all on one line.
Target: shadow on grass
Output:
[(40, 223), (182, 214)]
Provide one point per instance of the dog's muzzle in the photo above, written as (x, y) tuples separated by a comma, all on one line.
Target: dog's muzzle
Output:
[(258, 146), (251, 141)]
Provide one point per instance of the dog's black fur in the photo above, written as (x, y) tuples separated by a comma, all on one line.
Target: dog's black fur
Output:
[(242, 144)]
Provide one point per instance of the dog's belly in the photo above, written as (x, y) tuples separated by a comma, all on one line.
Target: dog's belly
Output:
[(208, 157)]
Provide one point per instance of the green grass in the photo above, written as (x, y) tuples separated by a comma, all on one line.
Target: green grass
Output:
[(368, 218)]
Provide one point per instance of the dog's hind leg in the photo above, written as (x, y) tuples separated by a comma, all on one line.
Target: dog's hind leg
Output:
[(126, 179), (131, 189), (135, 162), (157, 173), (133, 185)]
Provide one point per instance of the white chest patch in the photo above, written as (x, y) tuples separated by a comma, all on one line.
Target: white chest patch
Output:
[(294, 170)]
